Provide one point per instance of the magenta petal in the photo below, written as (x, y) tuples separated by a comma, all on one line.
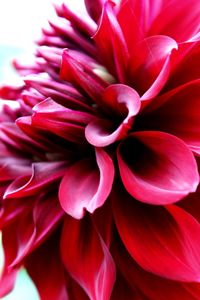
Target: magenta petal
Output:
[(94, 8), (78, 73), (64, 122), (111, 43), (87, 259), (123, 102), (27, 186), (170, 171), (86, 185), (164, 241)]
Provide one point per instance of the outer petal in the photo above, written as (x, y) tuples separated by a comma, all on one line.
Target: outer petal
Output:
[(30, 228), (27, 186), (162, 240), (86, 185), (120, 101), (137, 15), (184, 115), (156, 167), (151, 286), (66, 123), (111, 43), (180, 22), (47, 272), (87, 258)]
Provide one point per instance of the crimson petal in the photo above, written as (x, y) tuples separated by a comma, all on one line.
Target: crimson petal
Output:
[(86, 185), (162, 240), (180, 22), (170, 171), (87, 259), (47, 272), (150, 285), (183, 114)]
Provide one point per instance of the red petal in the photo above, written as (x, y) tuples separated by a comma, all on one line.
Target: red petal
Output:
[(111, 43), (47, 272), (120, 101), (164, 241), (180, 22), (30, 228), (150, 285), (28, 186), (137, 15), (87, 259), (183, 114), (86, 185), (156, 167)]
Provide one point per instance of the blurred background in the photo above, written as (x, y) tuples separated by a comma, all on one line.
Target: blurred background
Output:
[(20, 23)]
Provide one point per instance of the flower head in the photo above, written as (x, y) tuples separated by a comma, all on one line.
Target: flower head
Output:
[(99, 159)]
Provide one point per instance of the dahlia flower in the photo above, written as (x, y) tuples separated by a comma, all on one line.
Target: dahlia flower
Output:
[(99, 158)]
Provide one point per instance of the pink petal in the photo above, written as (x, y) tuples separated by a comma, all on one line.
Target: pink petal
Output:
[(151, 60), (111, 43), (180, 22), (183, 114), (156, 167), (66, 123), (120, 101), (85, 79), (86, 185), (164, 241), (87, 259), (27, 186), (47, 272)]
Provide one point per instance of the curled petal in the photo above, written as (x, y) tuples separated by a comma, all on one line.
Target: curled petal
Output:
[(169, 233), (156, 167), (27, 186), (121, 101), (87, 259), (86, 185)]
